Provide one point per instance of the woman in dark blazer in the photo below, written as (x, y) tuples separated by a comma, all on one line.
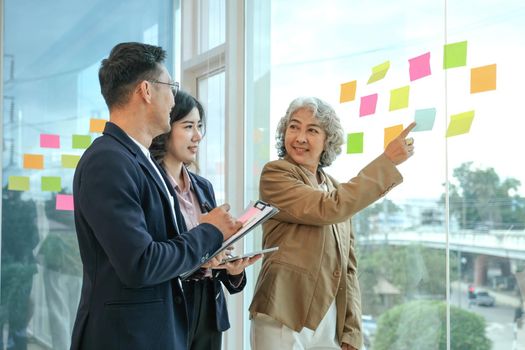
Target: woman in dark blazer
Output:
[(176, 150)]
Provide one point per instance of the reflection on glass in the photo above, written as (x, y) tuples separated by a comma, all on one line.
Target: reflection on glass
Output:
[(50, 85), (454, 231)]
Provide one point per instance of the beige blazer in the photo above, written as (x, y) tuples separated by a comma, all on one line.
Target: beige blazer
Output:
[(316, 261)]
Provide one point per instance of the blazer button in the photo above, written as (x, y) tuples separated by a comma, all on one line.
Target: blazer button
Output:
[(337, 273), (177, 300)]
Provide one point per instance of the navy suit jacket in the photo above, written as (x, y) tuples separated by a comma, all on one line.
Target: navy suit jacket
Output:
[(131, 250), (206, 197)]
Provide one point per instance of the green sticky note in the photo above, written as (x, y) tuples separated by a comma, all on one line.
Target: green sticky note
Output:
[(379, 72), (354, 143), (18, 183), (70, 161), (460, 123), (455, 55), (399, 98), (81, 141), (51, 183)]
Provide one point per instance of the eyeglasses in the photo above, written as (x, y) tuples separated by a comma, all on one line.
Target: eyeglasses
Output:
[(174, 86)]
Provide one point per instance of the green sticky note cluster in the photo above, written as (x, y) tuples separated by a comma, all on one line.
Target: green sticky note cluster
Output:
[(460, 123), (51, 183), (354, 143), (399, 98), (81, 141), (455, 55)]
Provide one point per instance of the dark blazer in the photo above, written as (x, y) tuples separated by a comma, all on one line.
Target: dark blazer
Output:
[(131, 251), (206, 197)]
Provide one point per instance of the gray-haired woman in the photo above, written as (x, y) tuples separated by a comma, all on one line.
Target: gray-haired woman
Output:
[(307, 294)]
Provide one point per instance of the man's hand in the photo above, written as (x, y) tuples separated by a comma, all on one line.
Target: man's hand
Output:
[(401, 148), (222, 219)]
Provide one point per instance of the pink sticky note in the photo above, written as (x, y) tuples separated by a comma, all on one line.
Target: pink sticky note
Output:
[(64, 202), (49, 141), (419, 66), (368, 105), (249, 214)]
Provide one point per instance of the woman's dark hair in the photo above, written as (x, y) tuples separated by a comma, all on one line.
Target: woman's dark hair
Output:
[(184, 104)]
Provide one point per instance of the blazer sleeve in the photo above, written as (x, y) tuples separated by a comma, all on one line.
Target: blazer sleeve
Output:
[(110, 201), (352, 330), (284, 187), (222, 275)]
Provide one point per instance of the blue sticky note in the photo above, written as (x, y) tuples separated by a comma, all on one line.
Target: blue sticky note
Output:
[(424, 119)]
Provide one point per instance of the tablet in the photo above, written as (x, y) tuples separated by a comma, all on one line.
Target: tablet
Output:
[(249, 255)]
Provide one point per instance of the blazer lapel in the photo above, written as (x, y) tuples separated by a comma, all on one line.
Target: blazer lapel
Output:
[(114, 131)]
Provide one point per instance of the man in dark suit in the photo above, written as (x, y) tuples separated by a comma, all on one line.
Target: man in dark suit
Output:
[(131, 248)]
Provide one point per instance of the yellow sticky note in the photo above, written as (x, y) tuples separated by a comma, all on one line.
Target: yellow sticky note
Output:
[(460, 123), (399, 98), (379, 72), (483, 78), (97, 125), (18, 183), (391, 133), (33, 161), (348, 91), (70, 161)]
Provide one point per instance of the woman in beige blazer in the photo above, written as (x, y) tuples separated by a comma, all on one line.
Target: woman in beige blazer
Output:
[(307, 294)]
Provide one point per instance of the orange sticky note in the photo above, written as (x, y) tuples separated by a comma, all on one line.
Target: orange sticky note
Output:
[(348, 91), (97, 125), (33, 161), (483, 78), (391, 133)]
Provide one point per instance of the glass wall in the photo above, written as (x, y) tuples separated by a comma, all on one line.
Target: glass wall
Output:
[(52, 110), (439, 256)]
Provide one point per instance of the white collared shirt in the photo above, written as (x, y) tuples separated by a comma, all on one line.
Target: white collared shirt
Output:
[(172, 201)]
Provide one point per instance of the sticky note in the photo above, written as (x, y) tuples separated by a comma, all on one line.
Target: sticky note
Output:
[(354, 143), (249, 214), (348, 91), (70, 161), (455, 55), (81, 141), (97, 125), (391, 133), (399, 98), (51, 183), (379, 72), (368, 105), (18, 183), (424, 119), (483, 78), (460, 123), (64, 202), (49, 141), (419, 66), (33, 161)]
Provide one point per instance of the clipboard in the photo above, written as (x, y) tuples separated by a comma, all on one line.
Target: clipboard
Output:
[(254, 215)]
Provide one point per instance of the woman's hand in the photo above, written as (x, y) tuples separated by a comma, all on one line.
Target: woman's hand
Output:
[(216, 261), (346, 346), (236, 267)]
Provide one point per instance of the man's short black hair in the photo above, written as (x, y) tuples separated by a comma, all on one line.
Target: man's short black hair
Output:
[(127, 64)]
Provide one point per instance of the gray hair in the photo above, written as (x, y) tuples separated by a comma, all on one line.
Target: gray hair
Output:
[(328, 120)]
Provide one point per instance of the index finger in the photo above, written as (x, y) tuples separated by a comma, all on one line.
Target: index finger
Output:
[(405, 132)]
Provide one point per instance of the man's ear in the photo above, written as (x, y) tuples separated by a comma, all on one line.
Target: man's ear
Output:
[(144, 90)]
